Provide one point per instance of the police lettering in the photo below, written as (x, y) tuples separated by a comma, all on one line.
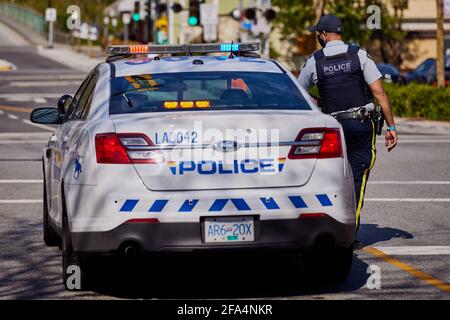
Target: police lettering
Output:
[(337, 68)]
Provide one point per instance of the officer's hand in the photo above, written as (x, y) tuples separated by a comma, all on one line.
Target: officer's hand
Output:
[(391, 140)]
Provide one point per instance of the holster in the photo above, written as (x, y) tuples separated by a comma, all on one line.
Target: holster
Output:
[(378, 119)]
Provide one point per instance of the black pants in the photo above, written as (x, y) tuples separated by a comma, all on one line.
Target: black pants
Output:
[(361, 152)]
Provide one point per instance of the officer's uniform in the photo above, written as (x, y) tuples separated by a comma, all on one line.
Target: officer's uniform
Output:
[(342, 74)]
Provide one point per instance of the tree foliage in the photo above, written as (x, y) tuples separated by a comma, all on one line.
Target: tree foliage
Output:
[(295, 17)]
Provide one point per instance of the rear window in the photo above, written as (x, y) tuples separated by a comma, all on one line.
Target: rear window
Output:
[(204, 91)]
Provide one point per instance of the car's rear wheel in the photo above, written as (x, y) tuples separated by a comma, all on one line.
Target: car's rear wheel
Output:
[(332, 264), (51, 238), (74, 269)]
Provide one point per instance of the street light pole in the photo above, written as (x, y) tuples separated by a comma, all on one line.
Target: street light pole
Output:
[(440, 43)]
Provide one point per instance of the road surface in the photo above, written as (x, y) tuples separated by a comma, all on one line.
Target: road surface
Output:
[(405, 222)]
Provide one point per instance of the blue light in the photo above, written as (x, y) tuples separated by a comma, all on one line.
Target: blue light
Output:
[(227, 47)]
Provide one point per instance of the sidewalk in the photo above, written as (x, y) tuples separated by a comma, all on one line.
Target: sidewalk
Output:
[(422, 126), (61, 53), (64, 54)]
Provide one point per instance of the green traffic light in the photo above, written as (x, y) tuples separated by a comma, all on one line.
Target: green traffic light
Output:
[(192, 21), (136, 16)]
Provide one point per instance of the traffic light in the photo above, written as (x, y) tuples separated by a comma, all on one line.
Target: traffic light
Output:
[(137, 11), (177, 7), (194, 12), (270, 14), (161, 8), (148, 9), (250, 13)]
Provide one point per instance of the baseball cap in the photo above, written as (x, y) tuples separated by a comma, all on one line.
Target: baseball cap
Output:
[(328, 23)]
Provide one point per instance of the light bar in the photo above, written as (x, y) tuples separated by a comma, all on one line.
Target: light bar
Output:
[(185, 48)]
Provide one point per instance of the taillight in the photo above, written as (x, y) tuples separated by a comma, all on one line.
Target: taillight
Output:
[(125, 148), (317, 143)]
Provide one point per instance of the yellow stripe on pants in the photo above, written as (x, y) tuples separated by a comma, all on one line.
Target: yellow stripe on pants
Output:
[(364, 179)]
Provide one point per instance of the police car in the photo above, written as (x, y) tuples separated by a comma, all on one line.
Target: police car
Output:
[(169, 149)]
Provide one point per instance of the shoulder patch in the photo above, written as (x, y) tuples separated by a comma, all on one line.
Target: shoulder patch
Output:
[(307, 59), (367, 54)]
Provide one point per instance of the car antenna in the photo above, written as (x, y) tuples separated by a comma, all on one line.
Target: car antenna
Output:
[(231, 56)]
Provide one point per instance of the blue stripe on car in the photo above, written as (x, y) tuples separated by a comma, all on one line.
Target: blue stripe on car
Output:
[(218, 205), (240, 204), (298, 202), (270, 203), (158, 206), (129, 205), (188, 205), (324, 200)]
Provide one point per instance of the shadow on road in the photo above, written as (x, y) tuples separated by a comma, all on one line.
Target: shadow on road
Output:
[(215, 277), (370, 234)]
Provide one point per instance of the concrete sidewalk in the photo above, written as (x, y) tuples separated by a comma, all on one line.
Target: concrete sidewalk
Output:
[(61, 53), (422, 126), (64, 54)]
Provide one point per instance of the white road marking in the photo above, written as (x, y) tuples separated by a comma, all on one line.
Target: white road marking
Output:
[(19, 201), (41, 77), (23, 141), (40, 100), (31, 84), (42, 126), (416, 250), (2, 112), (24, 135), (409, 182), (5, 181), (28, 96), (419, 141), (13, 116), (407, 199)]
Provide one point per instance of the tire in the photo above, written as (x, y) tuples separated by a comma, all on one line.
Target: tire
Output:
[(74, 269), (333, 265), (51, 238)]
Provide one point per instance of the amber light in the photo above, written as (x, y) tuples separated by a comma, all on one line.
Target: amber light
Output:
[(187, 104), (202, 104), (139, 49), (171, 104)]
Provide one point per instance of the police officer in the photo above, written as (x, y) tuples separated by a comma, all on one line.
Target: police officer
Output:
[(348, 79)]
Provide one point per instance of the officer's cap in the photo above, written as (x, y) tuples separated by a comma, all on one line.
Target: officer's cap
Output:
[(328, 23)]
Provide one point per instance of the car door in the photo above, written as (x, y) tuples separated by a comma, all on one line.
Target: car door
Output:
[(61, 147)]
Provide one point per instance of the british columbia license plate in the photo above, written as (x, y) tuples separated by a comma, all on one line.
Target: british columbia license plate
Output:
[(229, 229)]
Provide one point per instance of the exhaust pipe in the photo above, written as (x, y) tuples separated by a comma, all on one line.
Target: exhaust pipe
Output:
[(130, 249)]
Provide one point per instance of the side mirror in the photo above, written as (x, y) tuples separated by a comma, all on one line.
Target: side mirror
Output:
[(46, 116), (64, 103)]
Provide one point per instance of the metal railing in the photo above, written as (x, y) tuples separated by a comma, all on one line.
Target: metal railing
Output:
[(30, 18)]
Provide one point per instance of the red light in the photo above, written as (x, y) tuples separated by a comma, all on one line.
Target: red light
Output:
[(330, 144), (109, 149), (143, 220), (313, 215)]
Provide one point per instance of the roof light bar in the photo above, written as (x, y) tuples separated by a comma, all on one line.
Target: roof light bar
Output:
[(185, 48)]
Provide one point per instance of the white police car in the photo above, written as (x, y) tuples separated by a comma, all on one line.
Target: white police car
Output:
[(159, 153)]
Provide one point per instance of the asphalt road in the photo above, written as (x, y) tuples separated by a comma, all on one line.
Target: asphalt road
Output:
[(405, 222)]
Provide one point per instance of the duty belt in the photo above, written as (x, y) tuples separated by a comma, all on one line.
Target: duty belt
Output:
[(360, 114)]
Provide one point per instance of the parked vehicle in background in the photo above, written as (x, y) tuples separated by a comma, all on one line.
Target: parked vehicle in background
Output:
[(426, 72), (390, 73)]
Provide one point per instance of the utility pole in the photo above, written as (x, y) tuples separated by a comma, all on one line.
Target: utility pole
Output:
[(440, 44)]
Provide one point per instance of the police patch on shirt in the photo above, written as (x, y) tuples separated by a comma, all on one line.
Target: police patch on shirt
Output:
[(337, 68)]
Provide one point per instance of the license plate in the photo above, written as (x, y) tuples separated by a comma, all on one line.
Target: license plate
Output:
[(229, 229)]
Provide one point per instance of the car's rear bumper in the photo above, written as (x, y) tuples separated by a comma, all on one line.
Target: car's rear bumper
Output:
[(291, 234)]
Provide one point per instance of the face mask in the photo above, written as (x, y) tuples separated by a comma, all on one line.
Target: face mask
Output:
[(322, 42)]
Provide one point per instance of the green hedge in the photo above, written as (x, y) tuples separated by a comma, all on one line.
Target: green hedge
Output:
[(419, 100)]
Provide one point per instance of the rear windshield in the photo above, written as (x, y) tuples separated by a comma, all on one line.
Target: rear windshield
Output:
[(204, 91)]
